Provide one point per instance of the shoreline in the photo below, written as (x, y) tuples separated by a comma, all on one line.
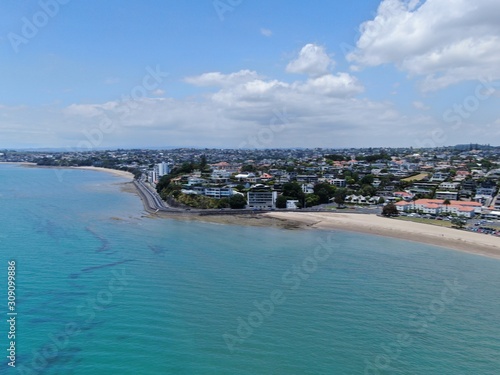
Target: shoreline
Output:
[(449, 238), (115, 172)]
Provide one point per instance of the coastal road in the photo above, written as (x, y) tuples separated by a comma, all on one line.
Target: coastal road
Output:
[(152, 199)]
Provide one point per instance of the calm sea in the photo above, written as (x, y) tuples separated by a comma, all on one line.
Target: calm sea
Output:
[(103, 290)]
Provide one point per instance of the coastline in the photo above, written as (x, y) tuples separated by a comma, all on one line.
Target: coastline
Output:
[(451, 239), (454, 239), (114, 172)]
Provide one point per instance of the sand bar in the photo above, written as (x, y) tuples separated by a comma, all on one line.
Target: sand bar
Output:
[(462, 240)]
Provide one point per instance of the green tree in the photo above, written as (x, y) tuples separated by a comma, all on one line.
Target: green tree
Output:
[(237, 201), (458, 222), (293, 190), (340, 195), (240, 187), (203, 162), (281, 201), (223, 203), (367, 190), (248, 168), (324, 191), (312, 200), (367, 180), (390, 210), (163, 183)]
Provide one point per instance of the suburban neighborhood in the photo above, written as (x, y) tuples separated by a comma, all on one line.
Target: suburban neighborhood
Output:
[(459, 181)]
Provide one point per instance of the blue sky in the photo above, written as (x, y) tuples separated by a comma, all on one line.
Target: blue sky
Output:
[(215, 73)]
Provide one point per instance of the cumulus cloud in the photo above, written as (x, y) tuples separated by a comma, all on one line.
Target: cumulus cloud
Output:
[(340, 85), (324, 109), (312, 60), (220, 79), (443, 41)]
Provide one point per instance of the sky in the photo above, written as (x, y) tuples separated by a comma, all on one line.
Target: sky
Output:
[(248, 73)]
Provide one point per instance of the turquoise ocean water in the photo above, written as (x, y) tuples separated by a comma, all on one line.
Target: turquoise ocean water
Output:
[(102, 290)]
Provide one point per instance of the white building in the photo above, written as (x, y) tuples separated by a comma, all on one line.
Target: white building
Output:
[(308, 188), (218, 192), (262, 198), (195, 181), (339, 182), (162, 169), (451, 195), (449, 185)]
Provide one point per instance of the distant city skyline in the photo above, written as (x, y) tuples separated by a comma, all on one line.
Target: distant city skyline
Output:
[(241, 74)]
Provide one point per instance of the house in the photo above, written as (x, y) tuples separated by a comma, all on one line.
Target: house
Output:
[(449, 185), (292, 204), (404, 195), (451, 195), (338, 182), (439, 177), (195, 181), (308, 188), (218, 192)]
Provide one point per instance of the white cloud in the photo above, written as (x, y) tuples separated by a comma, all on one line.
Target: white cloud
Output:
[(443, 41), (312, 60), (322, 110), (340, 85), (266, 32), (420, 105), (220, 79)]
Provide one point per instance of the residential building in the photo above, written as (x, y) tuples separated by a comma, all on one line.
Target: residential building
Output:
[(261, 197), (162, 169), (437, 206), (218, 192), (449, 185), (339, 182), (451, 195)]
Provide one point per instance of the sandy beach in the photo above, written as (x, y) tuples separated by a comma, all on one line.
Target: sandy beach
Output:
[(470, 242), (115, 172)]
